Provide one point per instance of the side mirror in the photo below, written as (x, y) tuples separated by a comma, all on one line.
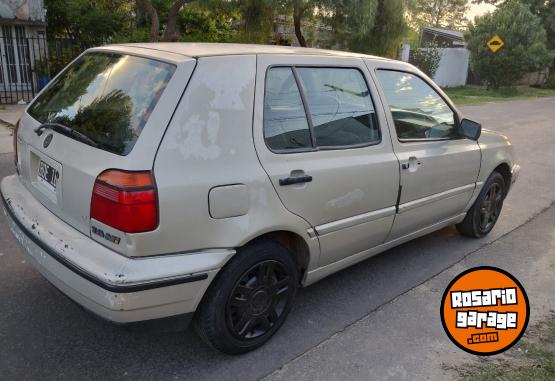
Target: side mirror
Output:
[(469, 129)]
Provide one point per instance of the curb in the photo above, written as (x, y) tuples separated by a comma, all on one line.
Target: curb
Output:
[(8, 124)]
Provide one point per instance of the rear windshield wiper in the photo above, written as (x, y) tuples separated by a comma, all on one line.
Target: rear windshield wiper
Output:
[(67, 131)]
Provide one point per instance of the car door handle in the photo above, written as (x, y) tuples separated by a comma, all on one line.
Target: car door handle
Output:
[(412, 164), (295, 180)]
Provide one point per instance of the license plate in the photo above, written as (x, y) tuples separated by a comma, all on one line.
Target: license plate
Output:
[(48, 175)]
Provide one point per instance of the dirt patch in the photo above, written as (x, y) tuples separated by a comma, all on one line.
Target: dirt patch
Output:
[(531, 359)]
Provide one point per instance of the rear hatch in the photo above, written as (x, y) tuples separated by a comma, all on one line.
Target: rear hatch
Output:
[(107, 110)]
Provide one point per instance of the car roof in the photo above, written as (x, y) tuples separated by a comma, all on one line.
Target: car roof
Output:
[(194, 49)]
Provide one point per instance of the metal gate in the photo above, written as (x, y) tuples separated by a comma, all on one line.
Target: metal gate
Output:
[(28, 63)]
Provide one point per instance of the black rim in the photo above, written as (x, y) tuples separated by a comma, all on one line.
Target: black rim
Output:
[(491, 207), (259, 300)]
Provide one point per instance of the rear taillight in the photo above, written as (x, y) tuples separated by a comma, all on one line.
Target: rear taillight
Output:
[(16, 158), (126, 201)]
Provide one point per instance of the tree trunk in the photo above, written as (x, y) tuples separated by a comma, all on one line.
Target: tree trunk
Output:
[(171, 33), (297, 20), (438, 13), (154, 21), (140, 13)]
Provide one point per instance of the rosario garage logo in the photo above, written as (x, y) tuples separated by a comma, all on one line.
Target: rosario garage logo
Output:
[(485, 311)]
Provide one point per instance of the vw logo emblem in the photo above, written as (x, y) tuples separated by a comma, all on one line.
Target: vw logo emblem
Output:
[(47, 140)]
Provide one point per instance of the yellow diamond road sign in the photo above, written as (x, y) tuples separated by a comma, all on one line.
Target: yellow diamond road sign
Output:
[(495, 43)]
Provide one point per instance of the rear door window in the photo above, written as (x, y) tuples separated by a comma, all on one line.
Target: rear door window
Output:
[(107, 97), (310, 108), (340, 107), (285, 123)]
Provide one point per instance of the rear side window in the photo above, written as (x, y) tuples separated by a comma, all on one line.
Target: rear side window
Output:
[(285, 123), (311, 108), (107, 97), (340, 107)]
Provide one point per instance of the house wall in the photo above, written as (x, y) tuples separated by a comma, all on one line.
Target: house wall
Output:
[(537, 78), (453, 67), (23, 10)]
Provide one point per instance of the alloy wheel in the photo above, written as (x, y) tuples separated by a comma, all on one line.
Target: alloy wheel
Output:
[(490, 208), (258, 300)]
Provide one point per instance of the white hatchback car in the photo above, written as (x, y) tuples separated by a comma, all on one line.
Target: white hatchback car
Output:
[(166, 180)]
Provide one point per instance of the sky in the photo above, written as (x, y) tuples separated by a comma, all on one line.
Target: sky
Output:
[(478, 10)]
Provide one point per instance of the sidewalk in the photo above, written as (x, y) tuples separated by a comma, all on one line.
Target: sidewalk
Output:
[(404, 340), (10, 114)]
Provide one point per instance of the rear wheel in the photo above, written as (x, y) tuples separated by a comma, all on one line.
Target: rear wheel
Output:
[(249, 300), (483, 215)]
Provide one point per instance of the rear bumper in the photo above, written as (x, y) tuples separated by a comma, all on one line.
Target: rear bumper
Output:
[(115, 287)]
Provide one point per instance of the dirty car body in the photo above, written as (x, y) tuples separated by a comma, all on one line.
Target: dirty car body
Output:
[(147, 173)]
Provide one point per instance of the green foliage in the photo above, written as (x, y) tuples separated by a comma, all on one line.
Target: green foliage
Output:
[(41, 67), (525, 47), (257, 17), (93, 22), (198, 23), (550, 84), (544, 9), (352, 21), (389, 29), (366, 26), (59, 59), (438, 13), (427, 59), (533, 360), (470, 95)]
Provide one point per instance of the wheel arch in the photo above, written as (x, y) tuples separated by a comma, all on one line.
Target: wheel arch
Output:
[(297, 246), (505, 170)]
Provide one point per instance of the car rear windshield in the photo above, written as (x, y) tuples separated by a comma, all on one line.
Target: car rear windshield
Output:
[(107, 97)]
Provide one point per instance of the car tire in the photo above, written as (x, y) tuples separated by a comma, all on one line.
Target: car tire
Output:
[(249, 300), (483, 215)]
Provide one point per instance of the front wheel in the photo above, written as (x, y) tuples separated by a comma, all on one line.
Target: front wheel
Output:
[(249, 300), (483, 215)]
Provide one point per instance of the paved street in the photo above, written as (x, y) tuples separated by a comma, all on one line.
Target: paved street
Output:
[(376, 320)]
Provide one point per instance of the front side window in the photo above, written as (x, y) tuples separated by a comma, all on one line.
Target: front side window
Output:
[(418, 110), (310, 108), (106, 96)]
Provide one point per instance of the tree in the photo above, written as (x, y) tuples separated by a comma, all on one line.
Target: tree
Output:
[(300, 7), (525, 47), (367, 26), (438, 13), (257, 19), (145, 7), (351, 22), (92, 22), (544, 9), (389, 29), (427, 58), (301, 11), (216, 23), (170, 33)]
